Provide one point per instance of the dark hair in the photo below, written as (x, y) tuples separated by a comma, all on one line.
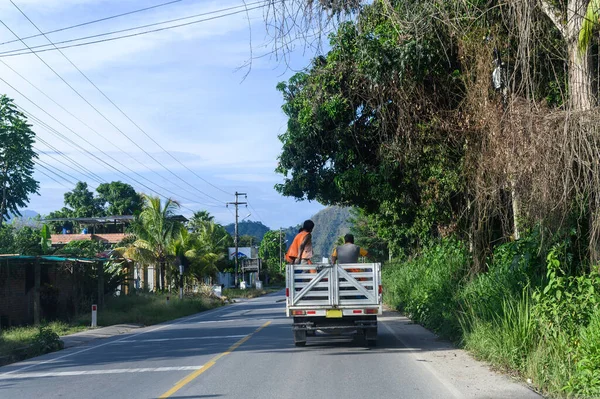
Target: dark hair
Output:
[(308, 226), (349, 238)]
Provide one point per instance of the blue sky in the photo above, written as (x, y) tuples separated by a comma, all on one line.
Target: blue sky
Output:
[(182, 86)]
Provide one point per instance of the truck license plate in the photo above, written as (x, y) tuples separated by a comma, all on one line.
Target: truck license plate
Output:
[(333, 314)]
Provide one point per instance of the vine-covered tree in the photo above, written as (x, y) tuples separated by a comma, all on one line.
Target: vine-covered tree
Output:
[(16, 160)]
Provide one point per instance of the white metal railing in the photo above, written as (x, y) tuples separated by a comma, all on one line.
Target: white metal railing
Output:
[(325, 285)]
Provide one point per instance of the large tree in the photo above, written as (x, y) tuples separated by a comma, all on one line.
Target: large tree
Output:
[(119, 198), (271, 251), (16, 160), (82, 203)]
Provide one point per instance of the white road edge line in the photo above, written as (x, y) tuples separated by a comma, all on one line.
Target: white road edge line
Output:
[(160, 327), (447, 384), (129, 341), (97, 372)]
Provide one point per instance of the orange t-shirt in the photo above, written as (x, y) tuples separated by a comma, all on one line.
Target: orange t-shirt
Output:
[(292, 252)]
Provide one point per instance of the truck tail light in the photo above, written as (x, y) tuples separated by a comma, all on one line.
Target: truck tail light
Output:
[(287, 292), (371, 311), (298, 312), (357, 311), (311, 312)]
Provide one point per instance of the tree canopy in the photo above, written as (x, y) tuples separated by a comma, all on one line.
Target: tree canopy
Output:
[(17, 159)]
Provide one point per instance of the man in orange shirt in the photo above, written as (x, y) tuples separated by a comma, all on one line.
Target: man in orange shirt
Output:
[(301, 248)]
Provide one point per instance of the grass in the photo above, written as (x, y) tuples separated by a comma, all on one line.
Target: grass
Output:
[(16, 343), (144, 309), (148, 309)]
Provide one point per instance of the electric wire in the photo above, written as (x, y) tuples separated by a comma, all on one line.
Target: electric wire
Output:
[(52, 178), (91, 105), (255, 212), (54, 173), (65, 164), (95, 21), (102, 115), (83, 123), (22, 51), (130, 120), (58, 170), (88, 173), (33, 117)]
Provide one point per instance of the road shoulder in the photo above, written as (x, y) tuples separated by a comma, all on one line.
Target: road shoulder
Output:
[(464, 376)]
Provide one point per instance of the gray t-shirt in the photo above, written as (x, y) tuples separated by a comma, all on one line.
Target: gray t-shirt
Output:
[(348, 253)]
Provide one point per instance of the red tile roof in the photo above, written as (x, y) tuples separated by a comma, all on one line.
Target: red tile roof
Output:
[(111, 238)]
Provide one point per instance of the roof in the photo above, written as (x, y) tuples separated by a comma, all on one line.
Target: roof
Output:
[(110, 238), (108, 219), (52, 258)]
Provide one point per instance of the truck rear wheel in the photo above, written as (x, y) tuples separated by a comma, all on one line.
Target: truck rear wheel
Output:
[(299, 337)]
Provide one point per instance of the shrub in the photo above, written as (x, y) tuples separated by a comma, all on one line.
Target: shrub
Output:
[(46, 341), (424, 287), (585, 379)]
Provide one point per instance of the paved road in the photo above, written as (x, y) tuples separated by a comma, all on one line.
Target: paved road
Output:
[(246, 350)]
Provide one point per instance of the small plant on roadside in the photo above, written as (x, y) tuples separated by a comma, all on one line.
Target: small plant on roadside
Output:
[(46, 341)]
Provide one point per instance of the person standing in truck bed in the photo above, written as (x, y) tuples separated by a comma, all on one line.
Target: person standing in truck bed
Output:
[(348, 253)]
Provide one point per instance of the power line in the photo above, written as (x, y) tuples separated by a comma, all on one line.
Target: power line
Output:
[(80, 121), (89, 173), (124, 114), (54, 173), (52, 178), (11, 53), (95, 21), (98, 158), (65, 164), (256, 213), (75, 179), (105, 96)]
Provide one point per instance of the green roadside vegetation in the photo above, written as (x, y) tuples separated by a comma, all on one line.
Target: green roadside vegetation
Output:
[(143, 309), (543, 327), (469, 150)]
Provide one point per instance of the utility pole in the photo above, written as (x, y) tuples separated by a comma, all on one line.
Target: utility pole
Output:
[(235, 237)]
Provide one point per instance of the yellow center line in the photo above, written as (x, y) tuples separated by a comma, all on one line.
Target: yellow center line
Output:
[(210, 363)]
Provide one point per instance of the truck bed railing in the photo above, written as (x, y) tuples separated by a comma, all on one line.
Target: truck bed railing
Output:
[(314, 285)]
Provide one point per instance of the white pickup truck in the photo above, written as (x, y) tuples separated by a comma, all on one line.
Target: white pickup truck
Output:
[(334, 299)]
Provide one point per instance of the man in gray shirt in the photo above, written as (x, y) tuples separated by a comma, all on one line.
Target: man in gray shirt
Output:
[(348, 253)]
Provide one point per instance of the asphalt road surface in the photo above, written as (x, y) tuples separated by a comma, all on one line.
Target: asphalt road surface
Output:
[(246, 350)]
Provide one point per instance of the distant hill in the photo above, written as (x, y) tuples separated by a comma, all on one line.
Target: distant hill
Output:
[(330, 223), (248, 228), (26, 219)]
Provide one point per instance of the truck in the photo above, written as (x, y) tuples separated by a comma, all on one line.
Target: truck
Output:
[(334, 299)]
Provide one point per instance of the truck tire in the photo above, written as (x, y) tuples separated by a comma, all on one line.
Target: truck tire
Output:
[(299, 337)]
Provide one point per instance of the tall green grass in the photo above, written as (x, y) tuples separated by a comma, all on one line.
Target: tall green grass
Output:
[(525, 315), (148, 309)]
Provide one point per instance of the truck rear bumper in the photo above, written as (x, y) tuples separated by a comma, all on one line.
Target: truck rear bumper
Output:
[(345, 323)]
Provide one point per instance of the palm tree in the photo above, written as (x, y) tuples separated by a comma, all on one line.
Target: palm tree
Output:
[(155, 230), (199, 219), (211, 252)]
